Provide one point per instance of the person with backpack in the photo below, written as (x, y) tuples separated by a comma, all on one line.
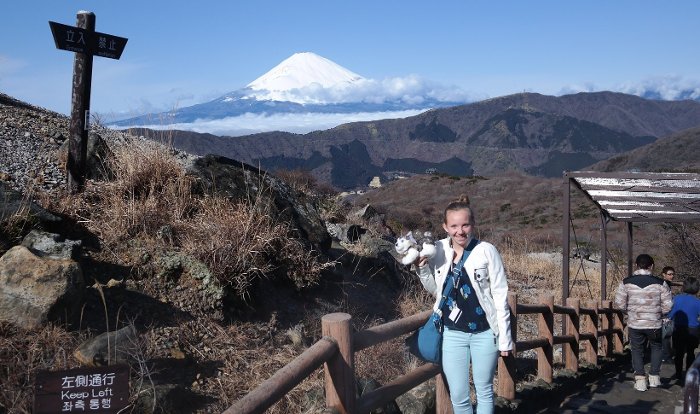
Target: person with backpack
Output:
[(686, 328), (646, 299)]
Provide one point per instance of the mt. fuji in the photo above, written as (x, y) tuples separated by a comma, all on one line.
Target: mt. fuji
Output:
[(305, 92), (302, 72)]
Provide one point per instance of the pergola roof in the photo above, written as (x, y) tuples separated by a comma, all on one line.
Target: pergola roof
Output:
[(643, 196)]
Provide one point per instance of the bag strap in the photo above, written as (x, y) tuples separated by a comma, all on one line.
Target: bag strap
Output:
[(447, 289)]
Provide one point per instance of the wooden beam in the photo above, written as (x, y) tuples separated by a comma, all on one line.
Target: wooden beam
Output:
[(286, 378), (635, 175)]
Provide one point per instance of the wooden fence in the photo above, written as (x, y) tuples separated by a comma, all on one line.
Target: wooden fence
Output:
[(335, 350)]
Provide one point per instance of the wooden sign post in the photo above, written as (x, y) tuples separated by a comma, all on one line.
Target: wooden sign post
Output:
[(85, 42)]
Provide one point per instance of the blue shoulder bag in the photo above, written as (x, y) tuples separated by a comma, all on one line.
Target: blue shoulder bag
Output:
[(426, 342)]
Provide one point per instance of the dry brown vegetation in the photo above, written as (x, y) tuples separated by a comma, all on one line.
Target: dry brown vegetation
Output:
[(512, 206), (150, 206)]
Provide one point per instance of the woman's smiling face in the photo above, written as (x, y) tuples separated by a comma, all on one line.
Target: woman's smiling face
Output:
[(458, 225)]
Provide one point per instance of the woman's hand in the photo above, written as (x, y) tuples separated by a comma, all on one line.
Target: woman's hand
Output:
[(421, 261), (505, 354)]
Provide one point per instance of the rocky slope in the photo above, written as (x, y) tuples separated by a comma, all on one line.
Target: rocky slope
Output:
[(29, 134)]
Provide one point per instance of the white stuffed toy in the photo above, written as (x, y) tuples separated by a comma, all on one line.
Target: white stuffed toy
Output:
[(407, 246)]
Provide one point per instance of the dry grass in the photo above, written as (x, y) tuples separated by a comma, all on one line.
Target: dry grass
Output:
[(23, 354), (149, 204), (233, 240), (151, 199)]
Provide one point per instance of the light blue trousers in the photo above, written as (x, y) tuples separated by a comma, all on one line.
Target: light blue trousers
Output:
[(458, 349)]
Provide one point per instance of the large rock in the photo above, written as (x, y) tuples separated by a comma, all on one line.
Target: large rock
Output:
[(109, 348), (13, 203), (95, 158), (35, 289), (52, 245), (240, 181), (419, 400)]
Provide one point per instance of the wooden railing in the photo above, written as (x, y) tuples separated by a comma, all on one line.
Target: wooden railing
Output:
[(335, 350), (691, 388), (582, 325)]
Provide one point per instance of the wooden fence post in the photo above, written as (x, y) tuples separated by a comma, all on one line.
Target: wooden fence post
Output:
[(619, 336), (506, 366), (573, 326), (607, 324), (340, 370), (592, 327), (443, 405), (545, 327)]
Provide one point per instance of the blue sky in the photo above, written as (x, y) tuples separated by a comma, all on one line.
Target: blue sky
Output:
[(185, 52)]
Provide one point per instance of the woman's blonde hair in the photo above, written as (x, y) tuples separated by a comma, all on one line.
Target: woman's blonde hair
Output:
[(462, 203)]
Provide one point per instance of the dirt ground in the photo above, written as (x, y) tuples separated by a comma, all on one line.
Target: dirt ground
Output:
[(614, 393)]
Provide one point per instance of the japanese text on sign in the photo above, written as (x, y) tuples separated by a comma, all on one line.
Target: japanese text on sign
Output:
[(97, 390)]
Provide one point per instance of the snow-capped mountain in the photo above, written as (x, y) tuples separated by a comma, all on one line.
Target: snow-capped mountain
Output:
[(301, 72), (305, 92)]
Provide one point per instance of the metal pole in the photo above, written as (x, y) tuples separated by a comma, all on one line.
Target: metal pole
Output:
[(80, 109), (566, 248), (603, 257), (629, 248), (690, 389), (566, 235)]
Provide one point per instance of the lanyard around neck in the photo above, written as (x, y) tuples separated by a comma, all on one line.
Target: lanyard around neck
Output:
[(457, 268)]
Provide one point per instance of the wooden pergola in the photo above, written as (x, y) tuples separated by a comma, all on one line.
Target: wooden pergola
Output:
[(629, 197)]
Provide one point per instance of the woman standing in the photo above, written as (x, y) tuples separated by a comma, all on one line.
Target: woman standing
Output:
[(476, 316), (685, 313)]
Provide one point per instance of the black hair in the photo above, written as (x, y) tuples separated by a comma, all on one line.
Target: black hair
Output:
[(691, 286), (644, 261), (667, 268)]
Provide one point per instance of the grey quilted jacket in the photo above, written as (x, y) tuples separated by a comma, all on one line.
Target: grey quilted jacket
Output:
[(645, 298)]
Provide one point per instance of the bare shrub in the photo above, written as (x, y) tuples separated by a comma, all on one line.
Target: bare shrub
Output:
[(299, 180), (241, 242), (685, 239), (149, 190), (234, 241), (301, 264)]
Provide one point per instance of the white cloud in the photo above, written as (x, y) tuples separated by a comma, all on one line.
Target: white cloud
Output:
[(299, 123), (669, 87), (409, 89), (577, 88)]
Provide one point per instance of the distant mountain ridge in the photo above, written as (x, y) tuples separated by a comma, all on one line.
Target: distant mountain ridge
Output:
[(304, 83), (676, 153), (527, 132)]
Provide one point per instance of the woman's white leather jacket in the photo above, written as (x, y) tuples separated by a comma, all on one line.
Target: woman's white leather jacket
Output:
[(487, 275)]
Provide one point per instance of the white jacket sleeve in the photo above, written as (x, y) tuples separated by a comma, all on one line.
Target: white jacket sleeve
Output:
[(427, 279), (499, 292)]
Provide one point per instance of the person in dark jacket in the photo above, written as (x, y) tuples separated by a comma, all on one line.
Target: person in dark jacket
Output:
[(686, 330), (646, 299)]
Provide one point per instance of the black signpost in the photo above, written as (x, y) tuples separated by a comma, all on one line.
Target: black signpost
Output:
[(85, 42)]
